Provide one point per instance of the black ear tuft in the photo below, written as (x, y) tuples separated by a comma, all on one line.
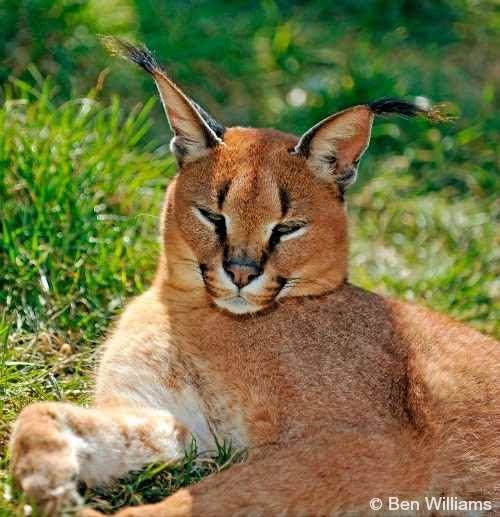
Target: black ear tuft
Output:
[(406, 109), (139, 55), (383, 106), (142, 56)]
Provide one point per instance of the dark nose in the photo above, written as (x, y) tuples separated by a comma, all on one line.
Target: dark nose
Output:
[(242, 271)]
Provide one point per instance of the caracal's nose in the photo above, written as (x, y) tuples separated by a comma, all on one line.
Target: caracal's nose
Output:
[(242, 271)]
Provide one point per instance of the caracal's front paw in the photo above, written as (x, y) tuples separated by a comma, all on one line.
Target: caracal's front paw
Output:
[(43, 463)]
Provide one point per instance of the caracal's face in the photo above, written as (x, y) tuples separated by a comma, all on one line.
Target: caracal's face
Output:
[(257, 215), (253, 225)]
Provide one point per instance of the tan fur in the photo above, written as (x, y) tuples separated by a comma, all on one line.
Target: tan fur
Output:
[(339, 395)]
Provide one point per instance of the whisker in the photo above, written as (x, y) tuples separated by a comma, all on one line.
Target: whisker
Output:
[(308, 281), (191, 265), (187, 260)]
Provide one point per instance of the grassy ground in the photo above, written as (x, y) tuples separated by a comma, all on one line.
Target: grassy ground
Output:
[(80, 191)]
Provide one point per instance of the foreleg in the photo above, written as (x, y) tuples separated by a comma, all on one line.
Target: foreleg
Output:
[(54, 445)]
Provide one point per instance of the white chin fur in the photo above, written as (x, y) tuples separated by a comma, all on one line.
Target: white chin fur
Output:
[(237, 305)]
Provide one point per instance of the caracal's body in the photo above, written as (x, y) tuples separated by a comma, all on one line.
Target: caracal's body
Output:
[(252, 334)]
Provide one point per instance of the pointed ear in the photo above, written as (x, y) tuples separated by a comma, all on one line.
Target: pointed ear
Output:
[(195, 132), (334, 147)]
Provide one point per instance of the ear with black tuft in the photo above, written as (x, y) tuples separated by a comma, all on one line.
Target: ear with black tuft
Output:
[(334, 146), (196, 133)]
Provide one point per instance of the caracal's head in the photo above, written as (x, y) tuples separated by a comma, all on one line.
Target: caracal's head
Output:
[(255, 215)]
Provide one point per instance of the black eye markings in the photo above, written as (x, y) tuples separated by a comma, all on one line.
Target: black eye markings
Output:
[(280, 230), (217, 220), (286, 228), (211, 216), (285, 202), (221, 195), (274, 240)]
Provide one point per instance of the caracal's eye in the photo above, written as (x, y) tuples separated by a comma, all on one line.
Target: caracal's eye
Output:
[(210, 216), (288, 230)]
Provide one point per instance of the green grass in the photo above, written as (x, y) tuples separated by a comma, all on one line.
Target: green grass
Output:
[(81, 185)]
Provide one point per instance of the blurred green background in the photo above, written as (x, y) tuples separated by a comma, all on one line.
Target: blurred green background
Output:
[(84, 161)]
